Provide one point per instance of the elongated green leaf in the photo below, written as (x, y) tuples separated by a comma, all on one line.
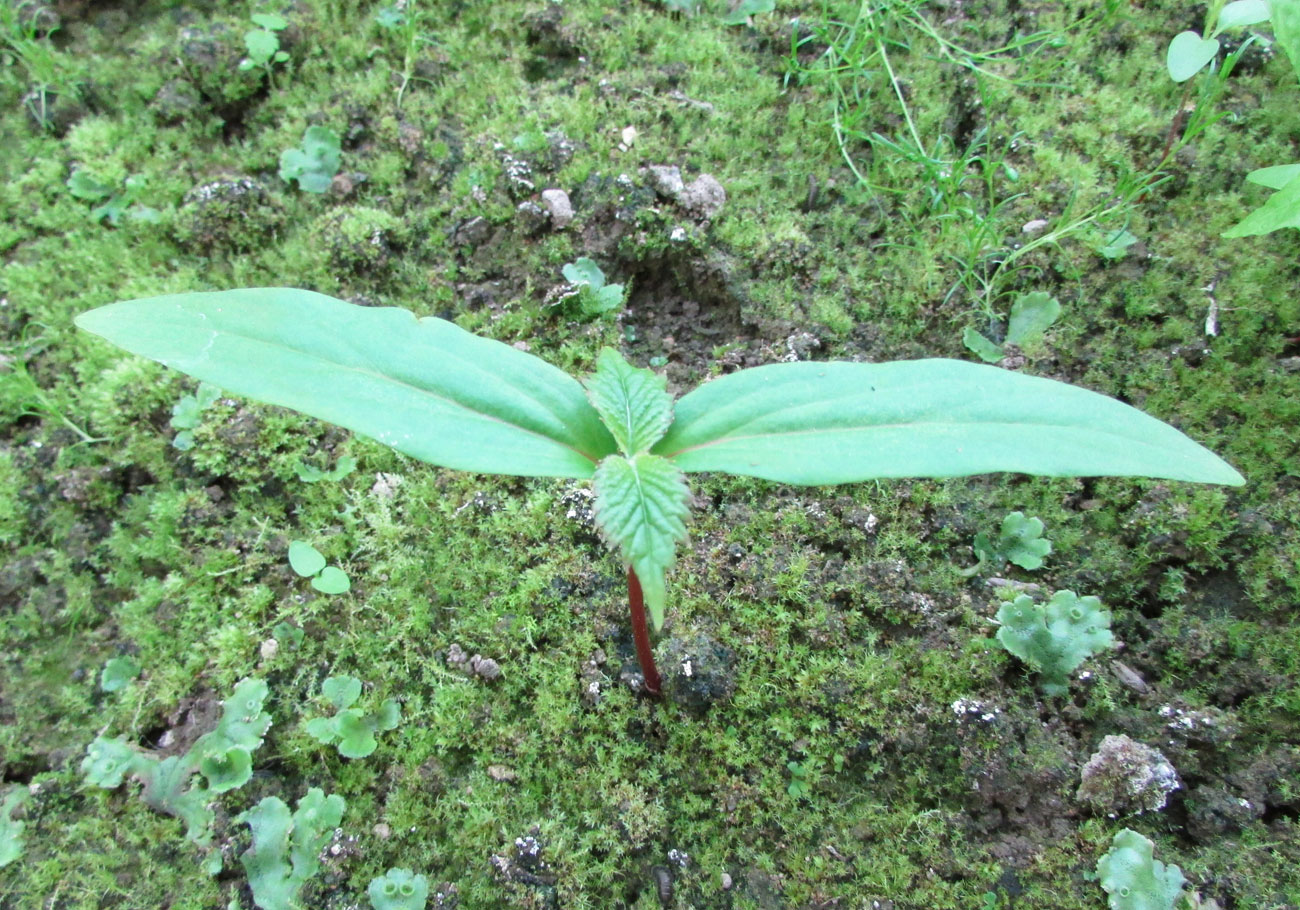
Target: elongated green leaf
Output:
[(1286, 28), (827, 423), (1281, 210), (423, 386), (631, 401), (1274, 177), (641, 507)]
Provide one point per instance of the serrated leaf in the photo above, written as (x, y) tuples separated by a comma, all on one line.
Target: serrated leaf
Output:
[(1188, 54), (341, 691), (1241, 13), (332, 580), (828, 423), (1280, 210), (641, 507), (305, 559), (632, 402), (584, 271), (1031, 315), (980, 346), (426, 387)]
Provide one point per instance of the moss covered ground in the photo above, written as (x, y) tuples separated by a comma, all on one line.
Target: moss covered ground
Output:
[(862, 740)]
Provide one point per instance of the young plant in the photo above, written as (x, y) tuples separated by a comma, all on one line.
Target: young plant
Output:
[(437, 393), (115, 201), (1055, 637), (1134, 879), (315, 162), (1189, 53), (308, 562), (11, 830), (350, 728), (263, 44), (117, 674), (286, 848), (594, 295), (1019, 541), (186, 411), (309, 473), (1031, 316)]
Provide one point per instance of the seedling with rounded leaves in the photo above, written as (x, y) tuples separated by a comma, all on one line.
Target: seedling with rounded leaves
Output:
[(399, 889), (263, 44), (1055, 637), (186, 411), (350, 728), (309, 473), (594, 295), (314, 162), (1189, 53), (308, 562), (1134, 879), (1032, 315), (437, 393), (117, 674)]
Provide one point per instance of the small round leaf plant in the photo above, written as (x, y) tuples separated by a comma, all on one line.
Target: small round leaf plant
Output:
[(440, 394)]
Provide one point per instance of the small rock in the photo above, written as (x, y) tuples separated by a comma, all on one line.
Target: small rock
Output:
[(386, 485), (269, 649), (666, 179), (382, 831), (1129, 677), (558, 206), (501, 773), (1037, 226), (485, 668), (698, 671), (726, 882), (1125, 777), (703, 196), (628, 136)]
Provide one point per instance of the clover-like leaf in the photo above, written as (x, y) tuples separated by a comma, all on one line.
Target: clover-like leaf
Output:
[(584, 271), (1056, 637), (399, 889), (341, 691), (305, 559), (332, 580), (1022, 542), (323, 730), (1188, 54), (1134, 879), (118, 673), (315, 162), (107, 762), (356, 736), (641, 507), (632, 402), (388, 716)]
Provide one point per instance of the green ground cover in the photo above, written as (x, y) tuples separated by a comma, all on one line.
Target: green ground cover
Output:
[(841, 727)]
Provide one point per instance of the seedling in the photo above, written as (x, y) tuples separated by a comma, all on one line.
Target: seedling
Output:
[(1020, 541), (315, 162), (11, 830), (286, 849), (594, 295), (1134, 879), (263, 44), (309, 473), (350, 728), (115, 201), (437, 393), (1189, 53), (1115, 244), (308, 562), (117, 674), (223, 758), (400, 889), (798, 786), (1031, 316), (185, 414), (1055, 637)]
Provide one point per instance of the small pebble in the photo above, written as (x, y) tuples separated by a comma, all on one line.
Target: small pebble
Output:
[(559, 207)]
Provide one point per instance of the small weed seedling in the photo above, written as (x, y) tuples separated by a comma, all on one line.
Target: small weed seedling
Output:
[(308, 562), (185, 414), (263, 44), (440, 394), (351, 729), (1134, 879), (1189, 53), (400, 889), (594, 295), (1031, 316), (1020, 541), (115, 202), (117, 674), (286, 848), (315, 162), (222, 757), (309, 473), (11, 830), (1055, 637)]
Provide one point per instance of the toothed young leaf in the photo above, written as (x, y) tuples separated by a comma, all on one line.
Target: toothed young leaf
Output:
[(641, 508), (631, 401), (827, 423), (426, 387)]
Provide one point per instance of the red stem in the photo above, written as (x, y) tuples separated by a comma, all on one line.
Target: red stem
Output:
[(641, 634)]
